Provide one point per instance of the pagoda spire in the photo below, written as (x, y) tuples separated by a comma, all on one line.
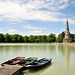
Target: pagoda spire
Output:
[(67, 34), (67, 38)]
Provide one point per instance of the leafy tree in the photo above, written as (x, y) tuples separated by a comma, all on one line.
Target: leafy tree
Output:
[(51, 38), (20, 38), (73, 39), (39, 38), (31, 38), (26, 39), (14, 38), (44, 38), (72, 36), (60, 37), (2, 39), (7, 38)]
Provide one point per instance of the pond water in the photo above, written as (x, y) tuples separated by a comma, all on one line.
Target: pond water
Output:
[(63, 57)]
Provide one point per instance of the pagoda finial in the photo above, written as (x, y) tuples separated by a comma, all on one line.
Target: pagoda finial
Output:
[(67, 19)]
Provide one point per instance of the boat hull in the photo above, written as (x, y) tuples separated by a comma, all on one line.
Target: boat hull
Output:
[(38, 64)]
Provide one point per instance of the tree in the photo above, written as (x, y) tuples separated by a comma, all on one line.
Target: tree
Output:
[(2, 39), (31, 38), (60, 37), (39, 38), (7, 38), (51, 38), (26, 39), (72, 36), (44, 38), (20, 38), (14, 38), (35, 37)]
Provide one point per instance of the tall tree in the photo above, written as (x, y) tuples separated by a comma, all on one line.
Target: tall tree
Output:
[(14, 38), (31, 38), (44, 38), (2, 39), (7, 38), (72, 36), (26, 39), (51, 38), (39, 38), (20, 38), (60, 37)]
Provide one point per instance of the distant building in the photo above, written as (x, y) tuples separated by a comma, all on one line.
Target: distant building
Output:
[(67, 38)]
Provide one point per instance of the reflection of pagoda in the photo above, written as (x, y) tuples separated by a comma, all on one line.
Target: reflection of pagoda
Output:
[(67, 38), (66, 48)]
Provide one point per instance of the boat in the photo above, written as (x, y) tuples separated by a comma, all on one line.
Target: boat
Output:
[(38, 63), (13, 61), (27, 61)]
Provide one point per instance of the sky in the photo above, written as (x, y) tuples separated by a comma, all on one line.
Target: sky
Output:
[(36, 17)]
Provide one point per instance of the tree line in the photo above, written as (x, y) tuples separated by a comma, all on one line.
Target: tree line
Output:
[(16, 38)]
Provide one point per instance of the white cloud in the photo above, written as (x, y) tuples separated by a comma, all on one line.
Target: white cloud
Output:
[(12, 31), (36, 32), (16, 10), (31, 27), (43, 10)]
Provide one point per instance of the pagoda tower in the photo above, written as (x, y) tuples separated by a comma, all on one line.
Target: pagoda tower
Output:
[(67, 38)]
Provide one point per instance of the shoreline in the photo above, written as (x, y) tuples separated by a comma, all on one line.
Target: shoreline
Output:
[(37, 43)]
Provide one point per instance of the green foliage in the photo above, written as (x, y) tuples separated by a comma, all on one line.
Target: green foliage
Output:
[(20, 38), (31, 38), (60, 37), (51, 38), (2, 39), (74, 38), (44, 38), (14, 38), (7, 38), (37, 38), (26, 39)]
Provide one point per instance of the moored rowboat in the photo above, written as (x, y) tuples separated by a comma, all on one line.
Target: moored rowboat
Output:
[(13, 61), (39, 63), (27, 61)]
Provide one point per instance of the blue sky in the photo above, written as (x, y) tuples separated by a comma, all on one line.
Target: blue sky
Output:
[(36, 17)]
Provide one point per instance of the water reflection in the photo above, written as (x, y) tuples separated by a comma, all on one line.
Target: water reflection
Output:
[(63, 56), (37, 71), (67, 53), (66, 50)]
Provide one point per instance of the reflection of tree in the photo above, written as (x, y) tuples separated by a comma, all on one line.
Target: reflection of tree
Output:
[(60, 49), (52, 48)]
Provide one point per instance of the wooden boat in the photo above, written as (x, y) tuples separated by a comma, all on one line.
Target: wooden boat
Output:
[(13, 61), (38, 63), (28, 61)]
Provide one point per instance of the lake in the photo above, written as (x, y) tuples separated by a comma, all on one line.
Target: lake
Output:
[(63, 56)]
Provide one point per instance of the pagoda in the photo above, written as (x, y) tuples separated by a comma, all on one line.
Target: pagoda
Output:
[(67, 38)]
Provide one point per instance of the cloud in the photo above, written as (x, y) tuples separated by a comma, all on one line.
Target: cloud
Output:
[(17, 10), (36, 32), (34, 28), (41, 10), (12, 31)]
